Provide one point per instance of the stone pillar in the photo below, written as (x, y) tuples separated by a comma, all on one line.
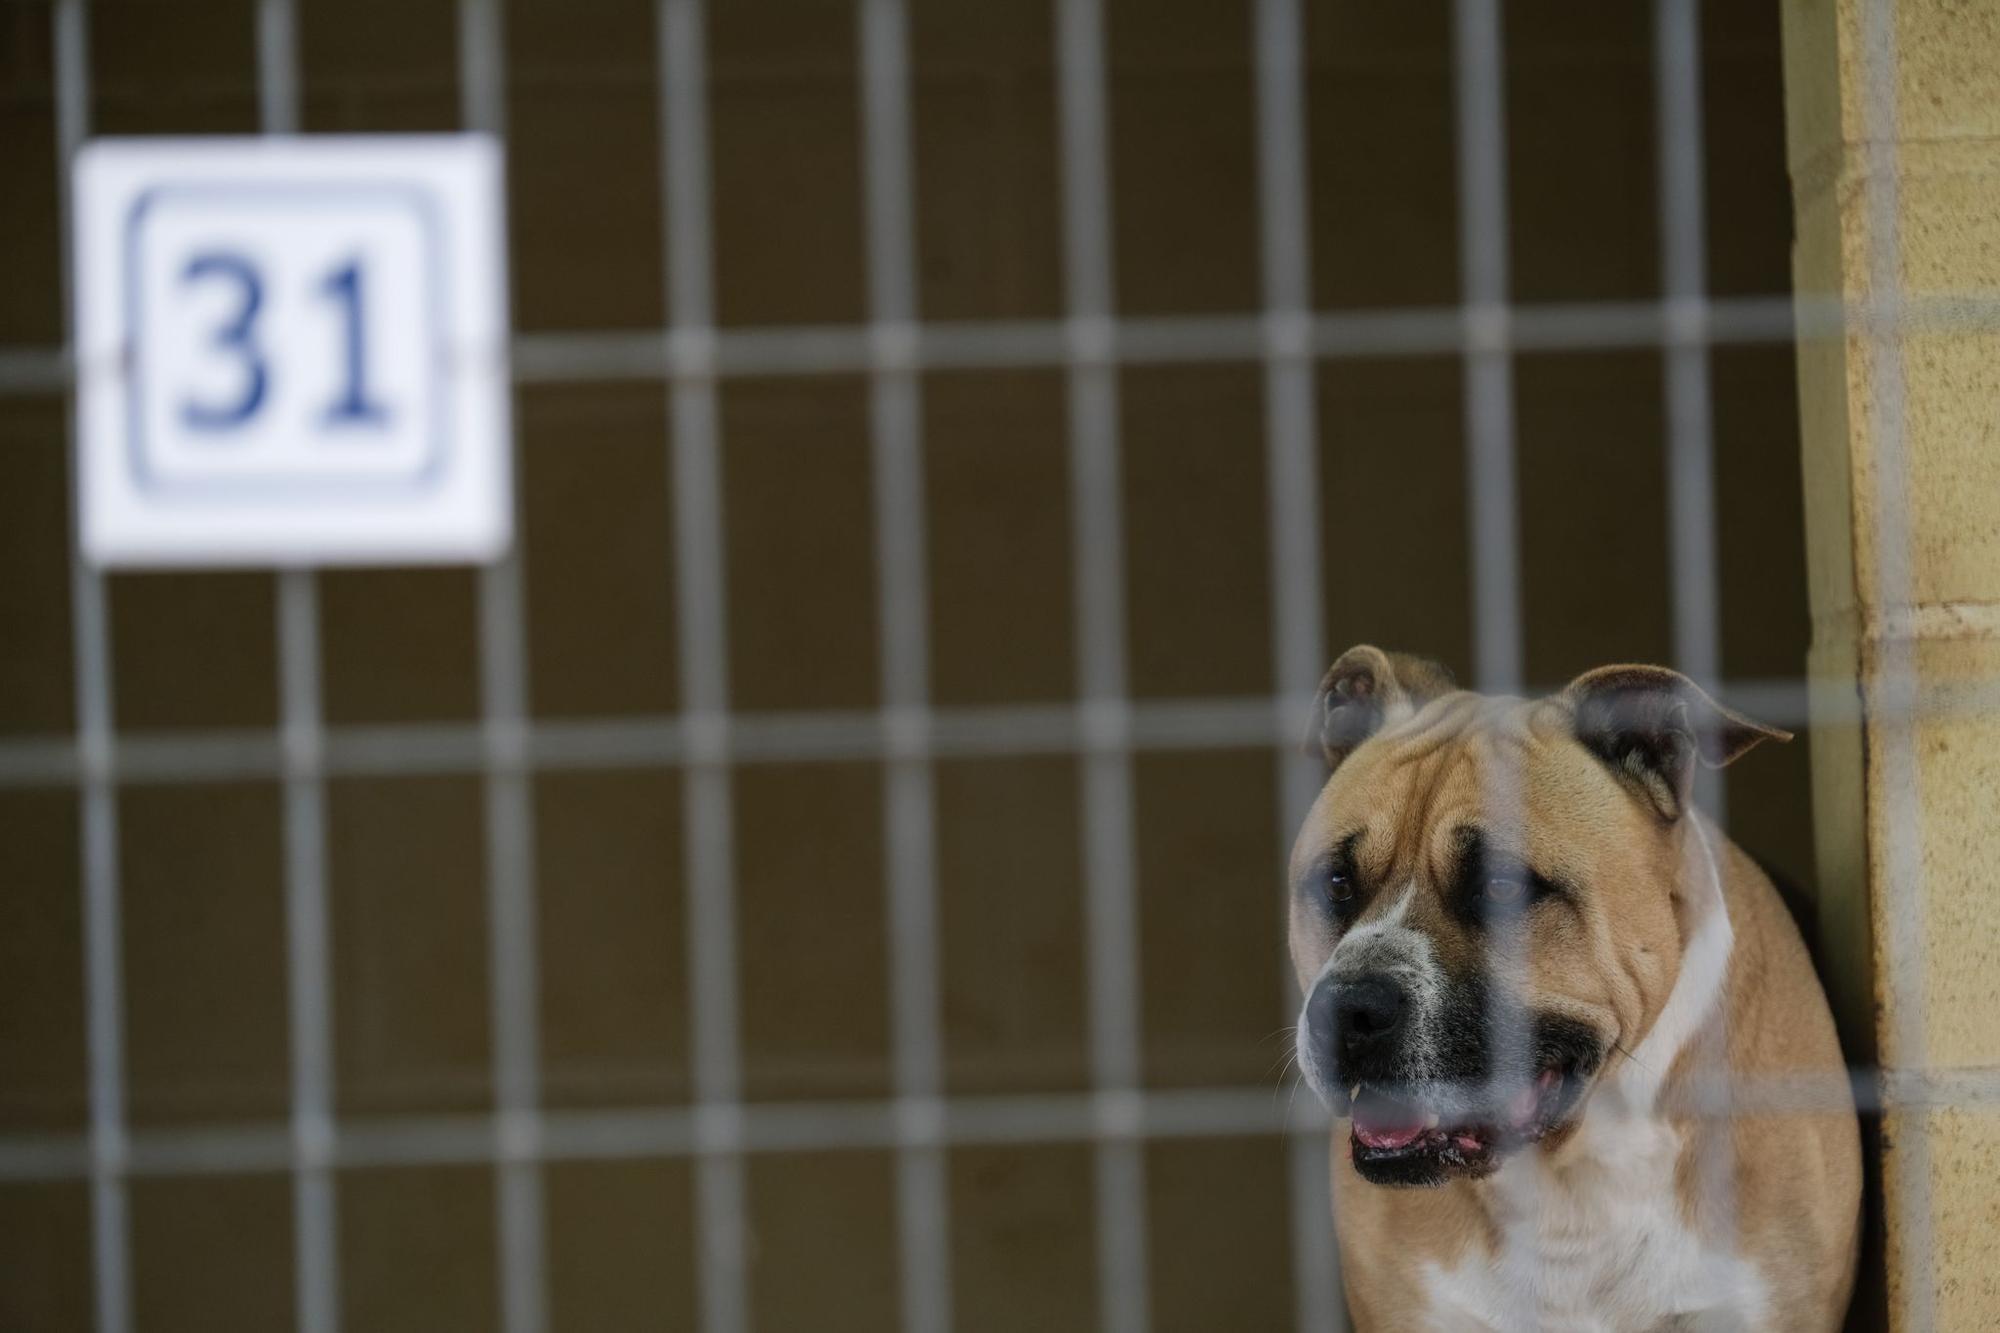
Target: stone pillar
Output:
[(1893, 110)]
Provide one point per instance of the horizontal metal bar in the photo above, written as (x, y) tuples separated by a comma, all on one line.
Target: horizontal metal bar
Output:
[(692, 1131), (654, 740), (614, 355), (679, 1131), (26, 371)]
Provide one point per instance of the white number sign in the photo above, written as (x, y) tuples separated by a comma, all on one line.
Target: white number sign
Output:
[(292, 351)]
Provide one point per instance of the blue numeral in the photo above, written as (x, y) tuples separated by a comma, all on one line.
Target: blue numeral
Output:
[(352, 408), (235, 337)]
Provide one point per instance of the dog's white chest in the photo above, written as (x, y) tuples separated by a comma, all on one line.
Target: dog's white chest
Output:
[(1602, 1247)]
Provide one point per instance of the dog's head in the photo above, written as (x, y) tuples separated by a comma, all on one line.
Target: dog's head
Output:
[(1489, 900)]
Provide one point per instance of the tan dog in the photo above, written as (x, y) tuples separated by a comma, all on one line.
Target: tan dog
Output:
[(1523, 953)]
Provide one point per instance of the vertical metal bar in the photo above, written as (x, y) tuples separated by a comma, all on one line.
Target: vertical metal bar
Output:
[(511, 927), (482, 77), (277, 66), (1480, 79), (1298, 636), (923, 1212), (315, 1246), (315, 1217), (1691, 483), (104, 998), (700, 592), (1895, 700), (1109, 855), (510, 831), (1684, 280), (1489, 387)]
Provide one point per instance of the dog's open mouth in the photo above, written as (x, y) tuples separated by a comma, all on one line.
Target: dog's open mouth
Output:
[(1401, 1136)]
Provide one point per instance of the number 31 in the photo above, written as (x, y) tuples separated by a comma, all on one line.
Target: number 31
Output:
[(238, 337)]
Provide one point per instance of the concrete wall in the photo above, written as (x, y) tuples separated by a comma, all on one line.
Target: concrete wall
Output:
[(1894, 116)]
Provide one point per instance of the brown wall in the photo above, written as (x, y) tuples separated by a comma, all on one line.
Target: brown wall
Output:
[(203, 942)]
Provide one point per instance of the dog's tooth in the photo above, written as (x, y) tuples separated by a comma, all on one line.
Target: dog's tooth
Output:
[(1430, 1120), (1354, 1093)]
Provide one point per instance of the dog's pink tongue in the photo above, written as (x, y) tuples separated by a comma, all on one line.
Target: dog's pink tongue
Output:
[(1381, 1123), (1388, 1136)]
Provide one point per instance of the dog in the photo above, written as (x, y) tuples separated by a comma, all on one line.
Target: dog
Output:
[(1525, 958)]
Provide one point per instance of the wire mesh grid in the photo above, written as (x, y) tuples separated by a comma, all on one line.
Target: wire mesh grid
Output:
[(1105, 727)]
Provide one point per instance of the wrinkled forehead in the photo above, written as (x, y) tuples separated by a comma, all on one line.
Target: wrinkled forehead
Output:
[(1465, 761)]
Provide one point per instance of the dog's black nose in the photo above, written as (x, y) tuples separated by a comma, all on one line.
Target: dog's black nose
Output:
[(1362, 1013)]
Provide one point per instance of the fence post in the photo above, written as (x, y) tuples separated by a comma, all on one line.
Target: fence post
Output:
[(1893, 115)]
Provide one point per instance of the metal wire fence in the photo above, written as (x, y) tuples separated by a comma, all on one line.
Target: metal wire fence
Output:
[(909, 734)]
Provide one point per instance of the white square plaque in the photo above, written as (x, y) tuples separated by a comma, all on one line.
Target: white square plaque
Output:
[(292, 351)]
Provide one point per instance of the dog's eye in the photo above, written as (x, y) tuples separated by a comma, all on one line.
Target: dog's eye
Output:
[(1339, 888), (1506, 890)]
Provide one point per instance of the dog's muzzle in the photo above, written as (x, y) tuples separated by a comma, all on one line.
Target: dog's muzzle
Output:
[(1416, 1075)]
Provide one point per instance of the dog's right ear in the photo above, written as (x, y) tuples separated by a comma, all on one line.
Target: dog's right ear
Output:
[(1363, 691)]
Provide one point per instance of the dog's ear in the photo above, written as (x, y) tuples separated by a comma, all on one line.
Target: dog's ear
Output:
[(1651, 725), (1364, 690)]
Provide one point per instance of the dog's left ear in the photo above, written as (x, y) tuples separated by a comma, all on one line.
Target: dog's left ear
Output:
[(1651, 725)]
